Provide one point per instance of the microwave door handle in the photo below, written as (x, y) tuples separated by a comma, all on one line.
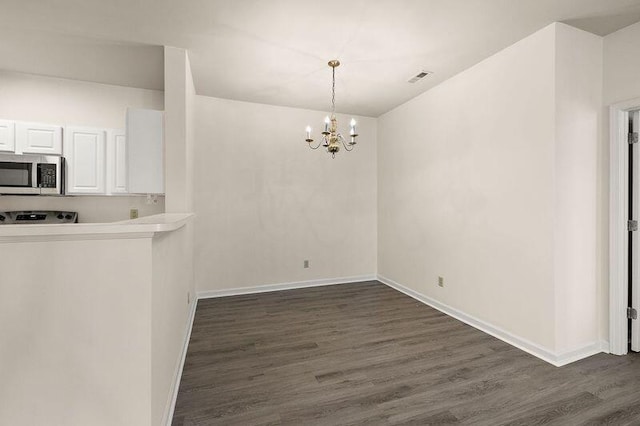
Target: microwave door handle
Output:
[(34, 175)]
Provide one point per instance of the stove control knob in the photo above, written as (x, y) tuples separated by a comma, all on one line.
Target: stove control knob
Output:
[(59, 216), (68, 216), (1, 218)]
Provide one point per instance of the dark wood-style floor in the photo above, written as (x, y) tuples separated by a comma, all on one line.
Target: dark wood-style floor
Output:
[(367, 354)]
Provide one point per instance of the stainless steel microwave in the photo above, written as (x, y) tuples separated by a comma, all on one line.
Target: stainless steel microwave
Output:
[(31, 175)]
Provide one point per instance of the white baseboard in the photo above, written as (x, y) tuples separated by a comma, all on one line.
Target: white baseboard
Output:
[(568, 357), (283, 286), (173, 395), (557, 359)]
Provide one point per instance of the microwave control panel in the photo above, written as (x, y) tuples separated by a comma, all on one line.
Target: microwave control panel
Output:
[(47, 175)]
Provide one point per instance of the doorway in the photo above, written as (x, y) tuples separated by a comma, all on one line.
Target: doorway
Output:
[(624, 236)]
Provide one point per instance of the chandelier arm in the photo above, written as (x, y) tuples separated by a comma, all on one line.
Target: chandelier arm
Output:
[(344, 144), (317, 146)]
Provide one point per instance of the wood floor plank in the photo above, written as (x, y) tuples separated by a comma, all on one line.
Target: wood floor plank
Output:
[(364, 353)]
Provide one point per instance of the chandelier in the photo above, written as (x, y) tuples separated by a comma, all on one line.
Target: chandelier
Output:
[(331, 139)]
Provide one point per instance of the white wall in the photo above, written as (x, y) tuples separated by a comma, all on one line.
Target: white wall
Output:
[(173, 261), (621, 65), (265, 202), (465, 190), (55, 100), (75, 332), (172, 299), (472, 181), (190, 137), (578, 87), (179, 138), (94, 328), (69, 102)]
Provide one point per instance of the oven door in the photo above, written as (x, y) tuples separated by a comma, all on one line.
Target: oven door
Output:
[(18, 175)]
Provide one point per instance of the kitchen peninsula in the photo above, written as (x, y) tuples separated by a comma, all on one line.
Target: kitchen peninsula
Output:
[(88, 323)]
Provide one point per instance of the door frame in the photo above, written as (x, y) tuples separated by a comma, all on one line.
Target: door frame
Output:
[(618, 234)]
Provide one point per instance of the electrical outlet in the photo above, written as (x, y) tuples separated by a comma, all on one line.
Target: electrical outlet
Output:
[(441, 281), (306, 263), (133, 214)]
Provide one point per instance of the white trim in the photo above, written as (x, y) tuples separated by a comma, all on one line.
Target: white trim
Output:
[(173, 395), (618, 236), (283, 286), (72, 237), (564, 358), (557, 359)]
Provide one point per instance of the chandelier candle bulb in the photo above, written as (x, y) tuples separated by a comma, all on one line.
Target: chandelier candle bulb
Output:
[(308, 129), (353, 126), (326, 124)]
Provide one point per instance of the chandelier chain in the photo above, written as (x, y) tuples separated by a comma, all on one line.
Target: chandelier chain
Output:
[(333, 91)]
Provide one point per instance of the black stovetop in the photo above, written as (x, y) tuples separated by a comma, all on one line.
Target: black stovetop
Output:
[(37, 217)]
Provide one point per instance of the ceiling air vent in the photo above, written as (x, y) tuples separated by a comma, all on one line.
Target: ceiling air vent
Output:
[(419, 76)]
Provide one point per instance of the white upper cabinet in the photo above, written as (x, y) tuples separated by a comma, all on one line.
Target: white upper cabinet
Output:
[(145, 151), (84, 149), (7, 136), (116, 162), (35, 138)]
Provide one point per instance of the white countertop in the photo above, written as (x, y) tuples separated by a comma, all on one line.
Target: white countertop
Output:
[(142, 227)]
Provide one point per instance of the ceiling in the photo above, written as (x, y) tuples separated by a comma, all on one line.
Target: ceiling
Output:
[(275, 51)]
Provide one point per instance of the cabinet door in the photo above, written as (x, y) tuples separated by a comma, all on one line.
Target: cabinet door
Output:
[(84, 149), (34, 138), (7, 136), (116, 162), (145, 151)]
